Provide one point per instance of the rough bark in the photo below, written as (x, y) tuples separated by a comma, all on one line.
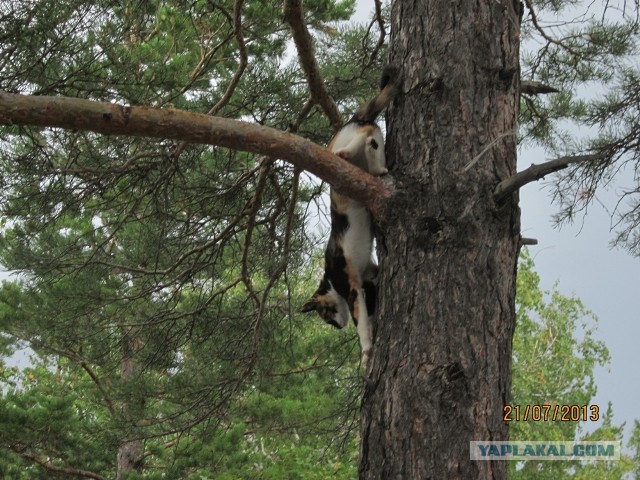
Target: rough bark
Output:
[(114, 119), (441, 365)]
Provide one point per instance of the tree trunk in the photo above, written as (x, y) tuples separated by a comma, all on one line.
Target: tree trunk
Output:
[(130, 452), (441, 366)]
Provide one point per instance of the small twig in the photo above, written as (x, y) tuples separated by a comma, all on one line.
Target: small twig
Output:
[(528, 241), (98, 383), (531, 87), (302, 115), (304, 44), (242, 49), (253, 206), (536, 172), (475, 159)]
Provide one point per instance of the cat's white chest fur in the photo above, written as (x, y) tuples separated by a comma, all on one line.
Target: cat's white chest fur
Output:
[(357, 242)]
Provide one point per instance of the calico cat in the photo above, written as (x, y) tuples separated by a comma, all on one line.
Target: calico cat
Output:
[(349, 282)]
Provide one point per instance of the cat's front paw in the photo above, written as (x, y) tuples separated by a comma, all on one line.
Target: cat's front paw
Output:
[(366, 354)]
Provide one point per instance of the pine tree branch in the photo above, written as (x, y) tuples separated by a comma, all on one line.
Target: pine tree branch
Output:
[(114, 119), (294, 16), (543, 33), (377, 18), (98, 383), (242, 65), (76, 472), (244, 58), (536, 172)]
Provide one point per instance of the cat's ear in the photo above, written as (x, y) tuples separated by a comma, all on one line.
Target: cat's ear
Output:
[(310, 305)]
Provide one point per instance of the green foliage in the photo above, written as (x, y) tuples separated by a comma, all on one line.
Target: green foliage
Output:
[(51, 406), (634, 444), (296, 413), (548, 354)]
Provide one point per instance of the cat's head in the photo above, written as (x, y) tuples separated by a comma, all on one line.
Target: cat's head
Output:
[(330, 306)]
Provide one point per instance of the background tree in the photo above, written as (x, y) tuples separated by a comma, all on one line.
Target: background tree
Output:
[(189, 252), (293, 419)]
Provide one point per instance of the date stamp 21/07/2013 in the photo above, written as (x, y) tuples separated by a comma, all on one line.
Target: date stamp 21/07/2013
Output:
[(548, 412)]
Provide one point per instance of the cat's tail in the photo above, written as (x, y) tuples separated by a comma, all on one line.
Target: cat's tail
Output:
[(389, 87)]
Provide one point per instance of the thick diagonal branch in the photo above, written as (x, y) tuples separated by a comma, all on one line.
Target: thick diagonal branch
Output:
[(536, 172), (293, 15), (114, 119)]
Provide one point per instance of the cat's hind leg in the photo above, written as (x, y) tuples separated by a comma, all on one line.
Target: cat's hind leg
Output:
[(363, 324)]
